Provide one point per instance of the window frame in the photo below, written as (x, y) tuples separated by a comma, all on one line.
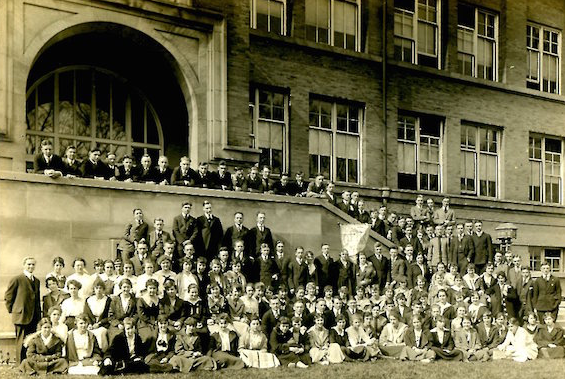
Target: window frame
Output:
[(256, 120), (415, 37), (56, 136), (253, 15), (539, 50), (539, 254), (542, 162), (419, 160), (476, 38), (332, 23), (478, 153), (334, 132)]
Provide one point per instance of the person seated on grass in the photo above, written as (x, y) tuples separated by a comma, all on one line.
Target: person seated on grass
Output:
[(550, 339), (457, 322), (531, 324), (74, 305), (476, 309), (55, 297), (467, 341), (442, 342), (189, 354), (217, 303), (391, 340), (161, 349), (253, 347), (172, 307), (291, 344), (418, 343), (44, 352), (518, 345), (126, 353), (223, 345), (322, 351), (339, 336), (83, 353), (361, 344), (147, 311)]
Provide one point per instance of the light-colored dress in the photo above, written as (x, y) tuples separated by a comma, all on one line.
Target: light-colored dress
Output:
[(253, 351), (71, 308), (321, 349), (519, 346), (85, 280)]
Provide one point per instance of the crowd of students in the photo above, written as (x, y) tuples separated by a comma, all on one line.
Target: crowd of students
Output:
[(207, 298)]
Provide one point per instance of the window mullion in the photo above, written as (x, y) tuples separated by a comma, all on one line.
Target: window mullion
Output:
[(417, 155), (415, 35), (332, 22), (476, 43)]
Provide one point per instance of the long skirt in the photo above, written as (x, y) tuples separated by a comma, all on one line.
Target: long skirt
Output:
[(453, 355), (332, 354), (155, 365), (83, 368), (187, 364), (101, 335), (521, 354), (287, 358), (56, 366), (258, 359), (394, 351), (552, 352), (227, 360), (412, 354), (146, 332)]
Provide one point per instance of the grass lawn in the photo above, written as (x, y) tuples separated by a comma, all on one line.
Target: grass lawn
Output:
[(385, 369)]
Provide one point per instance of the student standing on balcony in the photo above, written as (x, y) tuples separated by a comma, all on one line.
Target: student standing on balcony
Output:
[(48, 163)]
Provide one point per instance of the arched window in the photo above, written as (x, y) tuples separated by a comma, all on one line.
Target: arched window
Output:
[(86, 106)]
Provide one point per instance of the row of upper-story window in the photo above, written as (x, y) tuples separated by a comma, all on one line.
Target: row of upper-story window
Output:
[(417, 36), (334, 147)]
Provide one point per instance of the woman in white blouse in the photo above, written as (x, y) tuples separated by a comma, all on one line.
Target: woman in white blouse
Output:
[(83, 352), (74, 305), (518, 345), (81, 275)]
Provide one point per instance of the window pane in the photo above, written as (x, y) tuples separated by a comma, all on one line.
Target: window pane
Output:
[(341, 174), (152, 131), (83, 102), (407, 158), (137, 118), (426, 39), (118, 112), (31, 112), (102, 106), (342, 117), (465, 15), (66, 101), (352, 170)]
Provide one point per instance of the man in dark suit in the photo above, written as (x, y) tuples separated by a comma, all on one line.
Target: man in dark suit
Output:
[(126, 353), (92, 167), (462, 249), (48, 163), (345, 204), (525, 289), (297, 271), (253, 182), (71, 165), (397, 265), (381, 265), (282, 261), (483, 251), (23, 302), (184, 227), (258, 235), (146, 173), (134, 232), (235, 232), (378, 220), (209, 233), (183, 175), (362, 215), (126, 172), (283, 186), (299, 187), (163, 172), (203, 179), (266, 182), (416, 269), (547, 293), (222, 178), (139, 257), (157, 238), (110, 168), (240, 255), (324, 264)]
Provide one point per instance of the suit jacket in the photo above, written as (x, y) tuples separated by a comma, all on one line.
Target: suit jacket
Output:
[(463, 344), (266, 269), (117, 311), (137, 264), (483, 248), (397, 268), (118, 351), (514, 278), (103, 319), (252, 184), (216, 343), (232, 234), (297, 274), (148, 175), (282, 264), (269, 321), (176, 312), (40, 165), (206, 181), (425, 339), (382, 270), (49, 302), (526, 295), (159, 176), (281, 189), (487, 339), (280, 343), (209, 236), (23, 300), (446, 344), (110, 172), (441, 217), (363, 217), (157, 243), (460, 250), (184, 230), (123, 175), (37, 351), (89, 170), (178, 179), (299, 189), (379, 226), (255, 238), (344, 276), (414, 271), (267, 185), (133, 232), (324, 268), (71, 168), (93, 351), (224, 182), (419, 214), (437, 251), (346, 208), (547, 294)]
